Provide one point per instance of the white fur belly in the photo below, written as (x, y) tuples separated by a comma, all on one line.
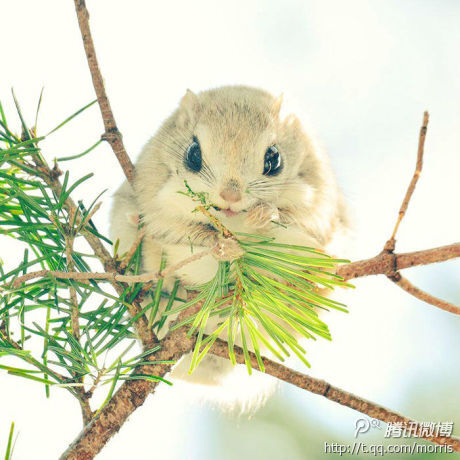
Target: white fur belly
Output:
[(194, 273)]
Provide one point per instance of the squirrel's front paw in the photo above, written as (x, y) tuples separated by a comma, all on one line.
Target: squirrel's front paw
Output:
[(261, 215), (227, 249)]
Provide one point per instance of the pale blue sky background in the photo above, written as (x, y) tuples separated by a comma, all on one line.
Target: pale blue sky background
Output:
[(360, 73)]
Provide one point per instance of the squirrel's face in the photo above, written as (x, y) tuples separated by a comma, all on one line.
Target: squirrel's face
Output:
[(231, 144)]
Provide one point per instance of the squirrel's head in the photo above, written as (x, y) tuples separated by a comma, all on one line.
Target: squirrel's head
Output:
[(231, 143)]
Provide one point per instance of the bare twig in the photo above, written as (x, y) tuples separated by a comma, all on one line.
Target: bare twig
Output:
[(173, 268), (74, 319), (390, 244), (407, 286), (112, 134), (111, 276), (129, 255), (389, 264), (90, 215)]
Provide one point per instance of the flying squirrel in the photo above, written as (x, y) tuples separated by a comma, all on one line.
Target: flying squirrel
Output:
[(263, 174)]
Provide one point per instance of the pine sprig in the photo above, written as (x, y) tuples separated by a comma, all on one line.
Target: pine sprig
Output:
[(265, 300)]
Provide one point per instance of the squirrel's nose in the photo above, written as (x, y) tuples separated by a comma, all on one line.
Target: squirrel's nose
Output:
[(231, 195)]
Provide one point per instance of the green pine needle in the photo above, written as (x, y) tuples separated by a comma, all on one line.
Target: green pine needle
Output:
[(10, 444)]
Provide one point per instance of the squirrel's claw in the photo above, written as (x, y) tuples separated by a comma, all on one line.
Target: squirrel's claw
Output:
[(261, 215), (227, 249)]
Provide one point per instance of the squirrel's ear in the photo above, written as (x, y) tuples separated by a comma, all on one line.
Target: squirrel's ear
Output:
[(291, 124), (275, 110), (189, 100), (187, 108)]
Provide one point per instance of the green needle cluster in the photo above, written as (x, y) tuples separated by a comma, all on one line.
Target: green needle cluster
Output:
[(269, 298), (36, 317)]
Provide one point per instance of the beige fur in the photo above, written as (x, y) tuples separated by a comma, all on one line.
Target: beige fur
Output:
[(234, 125)]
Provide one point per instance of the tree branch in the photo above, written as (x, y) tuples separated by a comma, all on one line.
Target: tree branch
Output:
[(74, 319), (112, 134), (111, 276), (133, 394), (325, 389), (130, 395), (132, 250), (382, 264), (390, 245), (407, 286)]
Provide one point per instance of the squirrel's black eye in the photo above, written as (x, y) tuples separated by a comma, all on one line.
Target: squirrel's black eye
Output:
[(193, 160), (272, 161)]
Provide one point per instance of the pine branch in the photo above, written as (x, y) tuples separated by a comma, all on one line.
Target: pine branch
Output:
[(132, 394), (51, 177), (37, 208)]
